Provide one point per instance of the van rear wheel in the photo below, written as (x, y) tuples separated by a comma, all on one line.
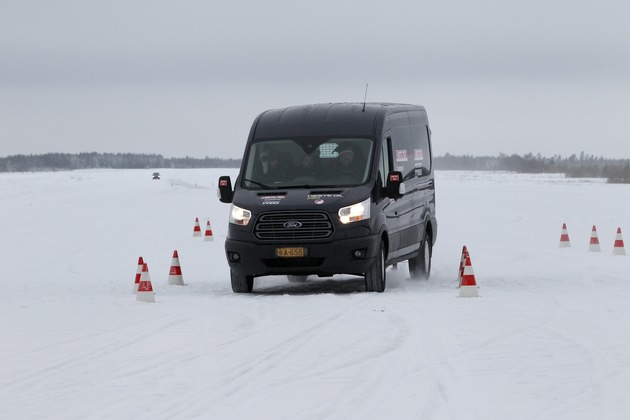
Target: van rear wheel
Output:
[(241, 283), (420, 265), (375, 277)]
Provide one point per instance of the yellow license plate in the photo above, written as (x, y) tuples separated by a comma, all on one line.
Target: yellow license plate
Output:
[(291, 252)]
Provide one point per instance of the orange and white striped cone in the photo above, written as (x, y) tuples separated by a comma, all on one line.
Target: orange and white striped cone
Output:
[(564, 237), (593, 245), (145, 288), (469, 284), (208, 234), (462, 260), (197, 229), (138, 274), (618, 248), (175, 274)]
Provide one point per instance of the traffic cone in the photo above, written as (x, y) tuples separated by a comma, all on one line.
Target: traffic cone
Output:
[(619, 249), (462, 260), (138, 273), (208, 234), (469, 285), (564, 237), (145, 288), (175, 274), (197, 229), (593, 245)]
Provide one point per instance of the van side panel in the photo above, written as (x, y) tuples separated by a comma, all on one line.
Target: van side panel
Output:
[(410, 224), (423, 158)]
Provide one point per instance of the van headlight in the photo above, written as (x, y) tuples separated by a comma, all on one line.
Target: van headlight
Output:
[(240, 216), (355, 212)]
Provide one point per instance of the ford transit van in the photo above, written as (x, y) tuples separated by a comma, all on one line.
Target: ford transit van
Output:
[(340, 188)]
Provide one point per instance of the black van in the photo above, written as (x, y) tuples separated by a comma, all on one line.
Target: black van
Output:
[(343, 188)]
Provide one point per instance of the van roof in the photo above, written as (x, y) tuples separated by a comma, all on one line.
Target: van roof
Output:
[(349, 118)]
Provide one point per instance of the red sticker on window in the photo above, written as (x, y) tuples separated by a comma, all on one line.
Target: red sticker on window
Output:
[(401, 156)]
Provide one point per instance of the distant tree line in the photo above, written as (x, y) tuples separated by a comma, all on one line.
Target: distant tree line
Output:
[(582, 166), (66, 161)]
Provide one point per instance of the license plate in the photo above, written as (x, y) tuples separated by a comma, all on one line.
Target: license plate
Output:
[(291, 252)]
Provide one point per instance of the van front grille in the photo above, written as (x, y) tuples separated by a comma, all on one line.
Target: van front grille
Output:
[(293, 225)]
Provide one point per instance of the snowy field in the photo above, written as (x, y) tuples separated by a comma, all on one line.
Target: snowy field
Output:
[(547, 339)]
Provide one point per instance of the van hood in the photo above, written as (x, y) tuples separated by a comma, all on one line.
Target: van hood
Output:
[(300, 199)]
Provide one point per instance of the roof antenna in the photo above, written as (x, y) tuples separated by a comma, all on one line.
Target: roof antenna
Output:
[(365, 98)]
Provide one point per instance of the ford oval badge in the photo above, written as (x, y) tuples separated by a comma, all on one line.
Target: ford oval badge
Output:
[(292, 224)]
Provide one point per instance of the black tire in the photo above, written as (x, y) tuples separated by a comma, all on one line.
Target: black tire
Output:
[(296, 279), (375, 278), (420, 265), (241, 284)]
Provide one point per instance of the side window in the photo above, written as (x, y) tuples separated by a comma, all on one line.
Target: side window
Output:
[(421, 144), (402, 145)]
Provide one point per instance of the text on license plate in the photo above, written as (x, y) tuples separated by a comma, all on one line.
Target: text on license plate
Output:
[(291, 252)]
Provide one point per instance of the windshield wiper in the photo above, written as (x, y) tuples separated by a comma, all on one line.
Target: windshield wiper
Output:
[(260, 184)]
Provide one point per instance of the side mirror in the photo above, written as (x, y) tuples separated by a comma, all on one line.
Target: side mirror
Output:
[(225, 192), (395, 187)]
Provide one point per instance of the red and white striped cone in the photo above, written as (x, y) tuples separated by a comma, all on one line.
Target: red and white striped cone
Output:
[(593, 245), (138, 273), (618, 248), (208, 234), (145, 288), (564, 237), (462, 260), (197, 229), (469, 284), (175, 274)]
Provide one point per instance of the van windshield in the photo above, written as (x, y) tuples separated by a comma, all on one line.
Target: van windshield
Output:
[(308, 162)]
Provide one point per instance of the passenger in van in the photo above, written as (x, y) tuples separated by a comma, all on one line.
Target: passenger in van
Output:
[(348, 163), (309, 166), (273, 169)]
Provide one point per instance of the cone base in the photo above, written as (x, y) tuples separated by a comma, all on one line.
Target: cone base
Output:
[(176, 281), (148, 297), (594, 248), (468, 291), (565, 244), (619, 251)]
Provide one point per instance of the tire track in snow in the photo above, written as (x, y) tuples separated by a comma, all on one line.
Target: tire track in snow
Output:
[(37, 368), (312, 334)]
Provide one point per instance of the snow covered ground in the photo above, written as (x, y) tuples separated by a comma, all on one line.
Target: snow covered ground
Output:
[(547, 339)]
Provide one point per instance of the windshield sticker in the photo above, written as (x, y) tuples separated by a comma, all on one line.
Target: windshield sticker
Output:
[(417, 154), (401, 156)]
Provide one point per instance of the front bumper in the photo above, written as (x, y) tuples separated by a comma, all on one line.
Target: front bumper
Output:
[(324, 258)]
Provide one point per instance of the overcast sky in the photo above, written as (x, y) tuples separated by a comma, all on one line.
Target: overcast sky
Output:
[(187, 77)]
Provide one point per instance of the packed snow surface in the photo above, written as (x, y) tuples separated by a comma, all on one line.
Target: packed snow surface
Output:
[(547, 339)]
